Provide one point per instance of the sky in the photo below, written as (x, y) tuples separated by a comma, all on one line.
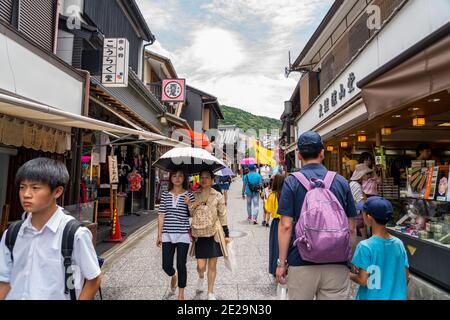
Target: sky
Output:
[(235, 50)]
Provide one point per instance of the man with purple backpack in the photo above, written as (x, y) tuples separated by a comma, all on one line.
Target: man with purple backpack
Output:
[(316, 230)]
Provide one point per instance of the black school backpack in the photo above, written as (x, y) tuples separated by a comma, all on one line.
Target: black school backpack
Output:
[(68, 240)]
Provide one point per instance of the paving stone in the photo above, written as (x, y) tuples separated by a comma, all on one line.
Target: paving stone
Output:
[(138, 274), (114, 293), (145, 293), (122, 278), (257, 292)]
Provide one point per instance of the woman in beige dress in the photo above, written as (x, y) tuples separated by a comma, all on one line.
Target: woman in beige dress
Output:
[(207, 250)]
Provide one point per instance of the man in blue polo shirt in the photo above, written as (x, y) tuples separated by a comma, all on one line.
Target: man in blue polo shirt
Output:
[(307, 280)]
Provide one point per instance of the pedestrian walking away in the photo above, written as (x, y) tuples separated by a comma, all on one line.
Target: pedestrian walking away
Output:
[(253, 185), (173, 230), (225, 183), (317, 269), (210, 231), (272, 208), (31, 261), (264, 196)]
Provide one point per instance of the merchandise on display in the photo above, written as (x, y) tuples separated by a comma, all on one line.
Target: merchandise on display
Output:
[(426, 220)]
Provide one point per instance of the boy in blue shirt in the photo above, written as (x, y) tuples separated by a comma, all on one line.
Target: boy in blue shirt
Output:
[(380, 263)]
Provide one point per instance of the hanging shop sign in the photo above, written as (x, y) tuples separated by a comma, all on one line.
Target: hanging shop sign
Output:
[(95, 159), (113, 169), (173, 90), (115, 62)]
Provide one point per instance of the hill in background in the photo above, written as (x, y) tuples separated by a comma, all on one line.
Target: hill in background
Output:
[(246, 120)]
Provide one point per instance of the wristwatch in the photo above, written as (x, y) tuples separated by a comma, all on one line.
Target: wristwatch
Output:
[(280, 264)]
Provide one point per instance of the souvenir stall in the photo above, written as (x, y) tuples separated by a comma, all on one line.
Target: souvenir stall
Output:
[(20, 141), (134, 172), (417, 184), (95, 184)]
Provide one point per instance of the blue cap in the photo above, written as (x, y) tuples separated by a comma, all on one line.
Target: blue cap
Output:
[(377, 207), (310, 139), (252, 166)]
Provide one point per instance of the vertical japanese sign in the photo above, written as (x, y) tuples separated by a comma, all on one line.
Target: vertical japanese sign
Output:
[(115, 62), (113, 170)]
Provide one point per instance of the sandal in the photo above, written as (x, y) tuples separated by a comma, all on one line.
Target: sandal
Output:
[(173, 289)]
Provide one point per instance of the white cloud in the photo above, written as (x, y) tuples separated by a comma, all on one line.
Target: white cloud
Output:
[(158, 48), (214, 50), (282, 15), (244, 68), (259, 94), (159, 15)]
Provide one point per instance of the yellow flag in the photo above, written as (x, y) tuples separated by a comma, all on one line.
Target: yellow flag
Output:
[(263, 155)]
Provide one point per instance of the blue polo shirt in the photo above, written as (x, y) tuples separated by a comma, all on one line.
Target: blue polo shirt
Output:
[(293, 195)]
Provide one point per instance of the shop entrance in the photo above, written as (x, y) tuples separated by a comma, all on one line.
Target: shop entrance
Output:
[(410, 148)]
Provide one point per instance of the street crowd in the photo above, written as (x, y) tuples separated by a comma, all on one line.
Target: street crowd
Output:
[(314, 217)]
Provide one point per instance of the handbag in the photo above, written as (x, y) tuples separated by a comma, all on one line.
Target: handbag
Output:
[(230, 260), (370, 187)]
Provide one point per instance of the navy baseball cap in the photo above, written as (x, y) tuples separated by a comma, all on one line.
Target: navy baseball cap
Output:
[(310, 140), (377, 207), (252, 166)]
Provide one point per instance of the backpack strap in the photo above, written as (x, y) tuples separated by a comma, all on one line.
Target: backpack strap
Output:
[(329, 178), (11, 236), (303, 180), (66, 250)]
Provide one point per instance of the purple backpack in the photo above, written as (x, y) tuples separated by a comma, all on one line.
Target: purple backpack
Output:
[(322, 231)]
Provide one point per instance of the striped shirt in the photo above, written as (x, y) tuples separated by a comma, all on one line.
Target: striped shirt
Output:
[(176, 213), (357, 191)]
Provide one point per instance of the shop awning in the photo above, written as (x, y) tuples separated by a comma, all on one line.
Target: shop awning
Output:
[(29, 110), (421, 71), (195, 139)]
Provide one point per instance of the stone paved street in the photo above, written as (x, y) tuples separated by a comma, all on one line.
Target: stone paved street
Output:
[(135, 271)]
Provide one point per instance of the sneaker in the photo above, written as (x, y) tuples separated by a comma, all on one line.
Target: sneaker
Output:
[(200, 283), (211, 296), (255, 222), (263, 223), (267, 225)]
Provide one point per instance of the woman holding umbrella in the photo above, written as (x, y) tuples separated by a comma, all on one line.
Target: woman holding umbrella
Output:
[(209, 229), (173, 230), (208, 211)]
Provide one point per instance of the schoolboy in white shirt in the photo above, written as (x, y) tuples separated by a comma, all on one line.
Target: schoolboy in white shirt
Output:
[(35, 268)]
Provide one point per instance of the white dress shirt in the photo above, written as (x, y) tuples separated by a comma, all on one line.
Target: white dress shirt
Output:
[(38, 270)]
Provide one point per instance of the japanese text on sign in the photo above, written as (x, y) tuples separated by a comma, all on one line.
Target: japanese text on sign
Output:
[(115, 62), (324, 107), (113, 169)]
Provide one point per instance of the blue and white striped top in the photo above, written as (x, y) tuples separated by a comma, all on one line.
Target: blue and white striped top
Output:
[(176, 212)]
